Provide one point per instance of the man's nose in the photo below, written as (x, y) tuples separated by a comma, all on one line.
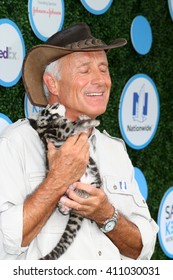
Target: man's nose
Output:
[(97, 77)]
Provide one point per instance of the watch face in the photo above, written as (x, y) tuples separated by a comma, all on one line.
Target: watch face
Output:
[(109, 226)]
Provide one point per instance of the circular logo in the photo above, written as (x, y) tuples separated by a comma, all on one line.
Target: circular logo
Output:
[(97, 7), (30, 109), (139, 111), (141, 35), (12, 52), (170, 5), (4, 121), (46, 17), (142, 183), (165, 222)]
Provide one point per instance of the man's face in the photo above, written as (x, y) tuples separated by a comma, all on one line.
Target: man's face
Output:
[(85, 84)]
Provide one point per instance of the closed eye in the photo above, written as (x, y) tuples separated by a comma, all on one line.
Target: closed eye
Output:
[(104, 68), (84, 69)]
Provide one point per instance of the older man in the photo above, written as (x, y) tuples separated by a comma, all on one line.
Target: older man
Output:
[(73, 67)]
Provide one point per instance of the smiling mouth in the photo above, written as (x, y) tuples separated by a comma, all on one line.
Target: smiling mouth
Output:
[(94, 94)]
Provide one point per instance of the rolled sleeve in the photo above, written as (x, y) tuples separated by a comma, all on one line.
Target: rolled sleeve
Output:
[(148, 230), (142, 219), (11, 226)]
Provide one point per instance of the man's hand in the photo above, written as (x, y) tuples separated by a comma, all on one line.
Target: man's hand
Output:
[(68, 164), (96, 207), (126, 236)]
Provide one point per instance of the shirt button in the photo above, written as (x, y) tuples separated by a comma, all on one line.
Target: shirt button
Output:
[(114, 187), (100, 253)]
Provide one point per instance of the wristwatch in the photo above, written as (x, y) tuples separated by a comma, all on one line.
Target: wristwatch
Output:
[(110, 224)]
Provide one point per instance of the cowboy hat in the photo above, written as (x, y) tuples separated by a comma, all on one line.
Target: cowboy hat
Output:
[(75, 38)]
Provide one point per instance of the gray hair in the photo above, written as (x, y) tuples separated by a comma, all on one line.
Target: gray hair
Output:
[(54, 69)]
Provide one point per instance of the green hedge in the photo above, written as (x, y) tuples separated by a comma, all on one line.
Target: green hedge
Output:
[(156, 160)]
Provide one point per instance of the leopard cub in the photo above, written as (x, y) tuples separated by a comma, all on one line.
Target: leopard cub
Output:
[(51, 126)]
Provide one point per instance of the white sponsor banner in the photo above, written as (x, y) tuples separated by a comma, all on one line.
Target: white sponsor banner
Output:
[(97, 7), (170, 6), (12, 52), (4, 122), (139, 111), (31, 110), (165, 222), (46, 17)]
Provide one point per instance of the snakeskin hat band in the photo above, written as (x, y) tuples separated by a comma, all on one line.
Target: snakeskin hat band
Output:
[(75, 38)]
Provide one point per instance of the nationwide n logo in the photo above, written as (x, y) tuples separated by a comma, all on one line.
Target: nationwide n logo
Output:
[(140, 105), (139, 111)]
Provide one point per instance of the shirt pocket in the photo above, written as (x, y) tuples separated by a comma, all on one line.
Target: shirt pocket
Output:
[(121, 193)]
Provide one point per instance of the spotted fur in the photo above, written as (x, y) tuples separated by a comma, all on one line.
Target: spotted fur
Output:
[(55, 128)]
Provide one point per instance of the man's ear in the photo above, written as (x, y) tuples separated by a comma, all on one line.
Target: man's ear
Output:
[(51, 83)]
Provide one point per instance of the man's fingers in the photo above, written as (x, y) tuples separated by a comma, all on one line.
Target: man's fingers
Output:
[(50, 145), (80, 138)]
